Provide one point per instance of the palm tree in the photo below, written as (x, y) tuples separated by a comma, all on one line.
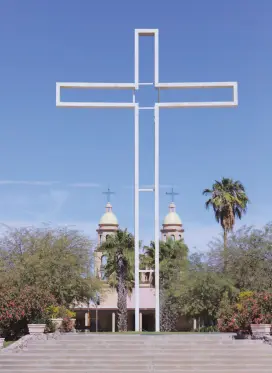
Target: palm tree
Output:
[(119, 270), (171, 253), (228, 200)]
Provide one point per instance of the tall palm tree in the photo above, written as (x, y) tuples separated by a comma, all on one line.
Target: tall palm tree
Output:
[(228, 200), (119, 270)]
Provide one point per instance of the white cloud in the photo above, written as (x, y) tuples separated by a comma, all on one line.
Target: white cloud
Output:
[(84, 185), (28, 182), (88, 228), (151, 186)]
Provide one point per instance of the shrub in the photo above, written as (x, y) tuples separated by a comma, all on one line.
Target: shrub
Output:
[(66, 325), (21, 306), (245, 295), (50, 327), (56, 312), (253, 308)]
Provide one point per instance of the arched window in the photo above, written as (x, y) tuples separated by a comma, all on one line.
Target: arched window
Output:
[(173, 237), (180, 237)]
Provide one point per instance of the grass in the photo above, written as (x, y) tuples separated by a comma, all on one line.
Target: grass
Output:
[(155, 333), (7, 343)]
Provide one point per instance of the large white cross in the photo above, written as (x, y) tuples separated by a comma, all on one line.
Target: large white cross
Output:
[(157, 106)]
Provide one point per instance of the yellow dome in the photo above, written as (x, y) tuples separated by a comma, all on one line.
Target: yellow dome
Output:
[(109, 217), (172, 218)]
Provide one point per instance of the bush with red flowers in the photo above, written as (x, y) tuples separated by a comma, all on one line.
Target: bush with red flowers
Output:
[(256, 308), (18, 307)]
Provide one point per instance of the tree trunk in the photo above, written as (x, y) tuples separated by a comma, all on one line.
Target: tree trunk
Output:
[(122, 298), (225, 249)]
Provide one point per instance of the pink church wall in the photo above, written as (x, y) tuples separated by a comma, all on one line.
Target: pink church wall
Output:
[(109, 299)]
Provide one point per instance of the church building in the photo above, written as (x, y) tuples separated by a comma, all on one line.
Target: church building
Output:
[(103, 316)]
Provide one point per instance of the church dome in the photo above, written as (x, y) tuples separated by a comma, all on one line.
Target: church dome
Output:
[(109, 217), (172, 218)]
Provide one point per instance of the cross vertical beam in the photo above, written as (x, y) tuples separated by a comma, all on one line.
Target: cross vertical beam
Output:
[(157, 220), (136, 217)]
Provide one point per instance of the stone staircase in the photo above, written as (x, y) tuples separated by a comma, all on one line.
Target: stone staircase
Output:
[(123, 353)]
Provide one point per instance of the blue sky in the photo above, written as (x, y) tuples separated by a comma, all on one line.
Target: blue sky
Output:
[(55, 162)]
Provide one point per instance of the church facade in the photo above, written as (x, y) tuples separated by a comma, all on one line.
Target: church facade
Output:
[(103, 316)]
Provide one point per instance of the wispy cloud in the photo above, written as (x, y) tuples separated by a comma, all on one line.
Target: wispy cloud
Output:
[(47, 183), (86, 227), (28, 182), (84, 185), (150, 186)]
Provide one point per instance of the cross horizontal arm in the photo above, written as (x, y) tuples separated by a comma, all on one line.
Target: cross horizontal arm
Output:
[(96, 85), (146, 270), (97, 105), (200, 85), (172, 105), (197, 85), (105, 105)]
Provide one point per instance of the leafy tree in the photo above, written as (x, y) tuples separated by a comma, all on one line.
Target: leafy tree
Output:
[(202, 293), (248, 262), (119, 269), (228, 200), (56, 260)]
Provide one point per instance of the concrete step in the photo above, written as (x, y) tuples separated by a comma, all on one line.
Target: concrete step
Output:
[(137, 354), (147, 370), (143, 348), (153, 361), (142, 341), (25, 355)]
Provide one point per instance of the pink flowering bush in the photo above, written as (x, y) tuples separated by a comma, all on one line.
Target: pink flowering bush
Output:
[(18, 307), (66, 325), (254, 309)]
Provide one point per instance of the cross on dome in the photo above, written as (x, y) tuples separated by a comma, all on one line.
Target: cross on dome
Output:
[(172, 194), (108, 193)]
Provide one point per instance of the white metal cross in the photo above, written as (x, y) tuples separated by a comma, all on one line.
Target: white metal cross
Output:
[(157, 106)]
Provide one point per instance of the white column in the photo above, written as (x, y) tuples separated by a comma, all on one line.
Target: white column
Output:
[(157, 221), (141, 321), (136, 214), (195, 326), (87, 319), (113, 322)]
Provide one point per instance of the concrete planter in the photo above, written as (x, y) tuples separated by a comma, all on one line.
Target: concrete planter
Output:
[(36, 328), (57, 322), (2, 340), (260, 329)]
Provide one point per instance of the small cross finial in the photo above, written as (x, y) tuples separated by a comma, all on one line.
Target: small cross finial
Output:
[(108, 193), (172, 194)]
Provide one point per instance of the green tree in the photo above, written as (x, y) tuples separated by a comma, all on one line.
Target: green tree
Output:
[(228, 200), (201, 294), (173, 262), (119, 270), (54, 259), (248, 259)]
